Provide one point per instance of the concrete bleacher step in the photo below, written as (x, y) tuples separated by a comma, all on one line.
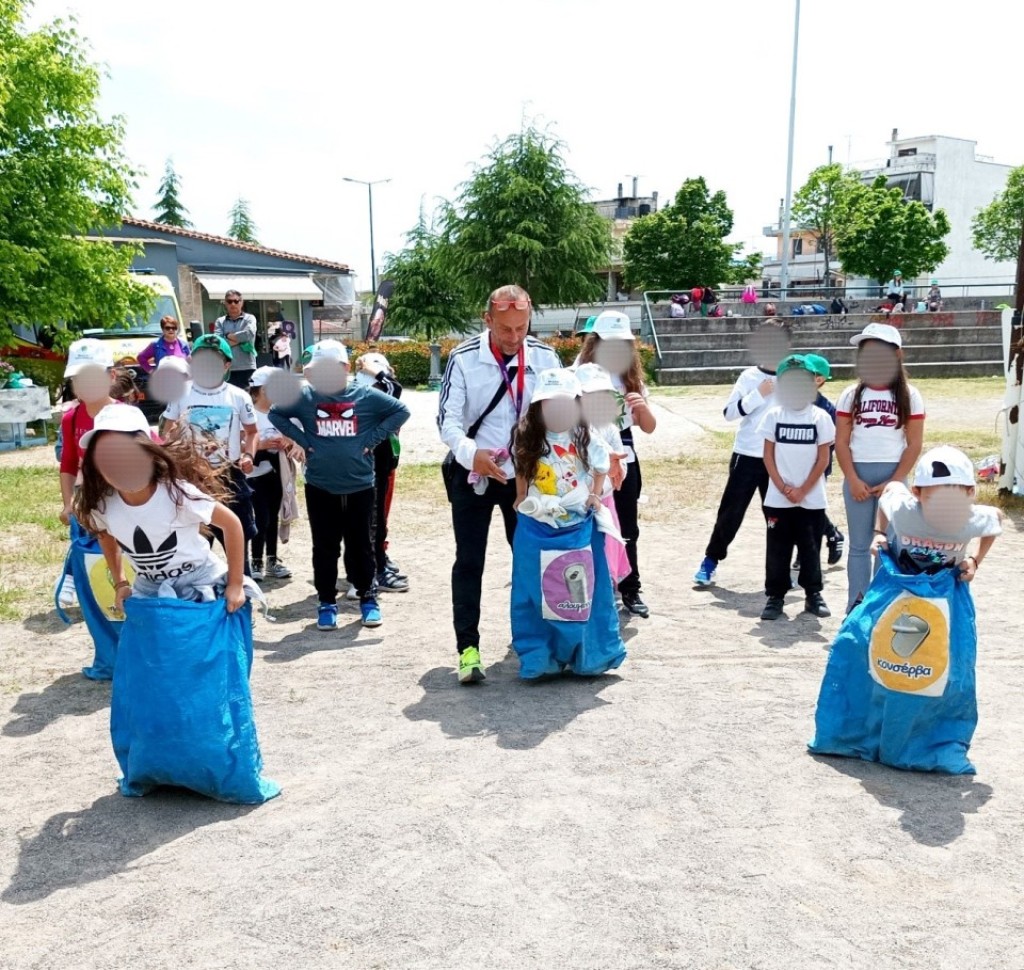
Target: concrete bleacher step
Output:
[(675, 376), (923, 354), (824, 339), (713, 350)]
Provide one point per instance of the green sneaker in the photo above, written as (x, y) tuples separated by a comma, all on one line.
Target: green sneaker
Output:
[(471, 669)]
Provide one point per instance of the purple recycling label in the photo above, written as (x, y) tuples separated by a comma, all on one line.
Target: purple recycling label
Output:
[(567, 584)]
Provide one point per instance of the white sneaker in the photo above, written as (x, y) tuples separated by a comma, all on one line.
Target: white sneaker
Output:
[(352, 593), (256, 569), (67, 597)]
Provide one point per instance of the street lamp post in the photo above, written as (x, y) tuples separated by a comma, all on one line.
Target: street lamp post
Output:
[(787, 213), (369, 190)]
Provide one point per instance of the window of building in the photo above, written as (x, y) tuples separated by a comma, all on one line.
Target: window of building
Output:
[(798, 246)]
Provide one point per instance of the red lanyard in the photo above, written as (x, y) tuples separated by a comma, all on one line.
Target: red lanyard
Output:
[(517, 401)]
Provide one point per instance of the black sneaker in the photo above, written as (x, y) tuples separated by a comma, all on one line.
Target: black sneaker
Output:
[(773, 609), (390, 566), (836, 541), (635, 605), (815, 605)]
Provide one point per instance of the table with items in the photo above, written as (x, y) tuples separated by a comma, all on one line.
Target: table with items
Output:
[(20, 407)]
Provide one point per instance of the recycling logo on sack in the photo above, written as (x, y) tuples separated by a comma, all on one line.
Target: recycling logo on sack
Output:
[(909, 650), (567, 584)]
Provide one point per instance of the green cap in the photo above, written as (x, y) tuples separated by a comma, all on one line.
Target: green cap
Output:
[(307, 355), (588, 326), (794, 362), (897, 272), (819, 365), (210, 341)]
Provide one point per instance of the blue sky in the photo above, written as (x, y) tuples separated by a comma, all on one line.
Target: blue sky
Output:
[(277, 102)]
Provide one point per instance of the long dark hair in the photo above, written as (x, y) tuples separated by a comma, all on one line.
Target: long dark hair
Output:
[(633, 379), (179, 460), (899, 386), (531, 442)]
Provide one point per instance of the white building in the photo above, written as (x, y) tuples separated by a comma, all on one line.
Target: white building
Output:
[(947, 173), (942, 173)]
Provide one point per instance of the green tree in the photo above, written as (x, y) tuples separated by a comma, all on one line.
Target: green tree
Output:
[(999, 227), (63, 177), (683, 245), (523, 218), (818, 204), (242, 226), (169, 209), (428, 301), (877, 229)]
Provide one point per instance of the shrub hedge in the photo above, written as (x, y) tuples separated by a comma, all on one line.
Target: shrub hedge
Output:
[(411, 360)]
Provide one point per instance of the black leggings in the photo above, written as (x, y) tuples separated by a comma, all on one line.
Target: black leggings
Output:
[(627, 501), (266, 509)]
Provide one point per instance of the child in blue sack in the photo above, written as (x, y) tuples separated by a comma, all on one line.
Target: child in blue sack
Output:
[(899, 686), (181, 711), (563, 609)]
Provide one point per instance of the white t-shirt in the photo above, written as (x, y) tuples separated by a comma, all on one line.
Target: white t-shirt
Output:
[(919, 547), (219, 414), (797, 436), (875, 436), (626, 415), (265, 430), (161, 539), (609, 435)]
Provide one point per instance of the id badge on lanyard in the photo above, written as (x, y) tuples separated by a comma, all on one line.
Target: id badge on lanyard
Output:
[(520, 389)]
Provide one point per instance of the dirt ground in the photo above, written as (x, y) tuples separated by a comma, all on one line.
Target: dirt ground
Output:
[(667, 815)]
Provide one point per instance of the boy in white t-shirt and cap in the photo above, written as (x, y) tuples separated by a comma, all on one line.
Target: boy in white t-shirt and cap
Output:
[(932, 526), (797, 441), (222, 421)]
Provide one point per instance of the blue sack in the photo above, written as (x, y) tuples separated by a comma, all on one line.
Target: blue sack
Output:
[(181, 712), (563, 607), (899, 685), (95, 591)]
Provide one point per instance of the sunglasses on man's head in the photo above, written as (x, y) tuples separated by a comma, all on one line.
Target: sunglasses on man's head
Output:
[(232, 300), (508, 304)]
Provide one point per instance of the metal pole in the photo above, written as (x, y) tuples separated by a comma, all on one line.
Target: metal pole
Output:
[(373, 259), (369, 188), (786, 216)]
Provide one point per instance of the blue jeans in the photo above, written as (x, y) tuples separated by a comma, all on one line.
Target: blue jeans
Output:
[(860, 527)]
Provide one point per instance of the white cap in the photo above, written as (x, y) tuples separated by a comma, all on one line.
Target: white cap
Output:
[(89, 352), (261, 375), (377, 361), (944, 466), (117, 417), (332, 350), (878, 331), (612, 325), (180, 364), (556, 382), (593, 377)]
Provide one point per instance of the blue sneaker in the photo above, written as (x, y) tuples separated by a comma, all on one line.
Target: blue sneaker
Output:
[(371, 613), (705, 576), (327, 617)]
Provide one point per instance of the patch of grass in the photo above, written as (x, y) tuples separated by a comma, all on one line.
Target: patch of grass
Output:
[(33, 541)]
